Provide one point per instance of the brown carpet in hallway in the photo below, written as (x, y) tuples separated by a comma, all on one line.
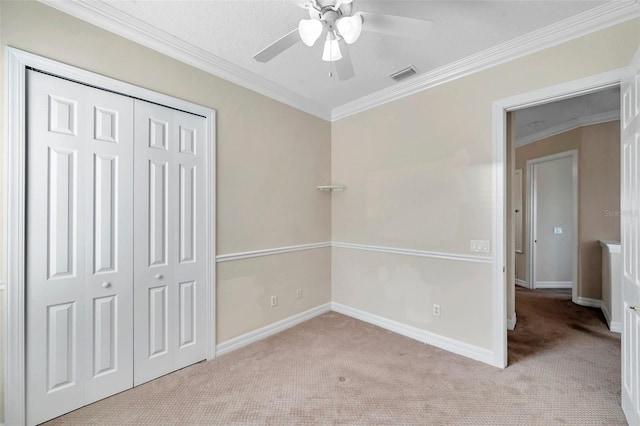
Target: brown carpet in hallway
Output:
[(565, 369)]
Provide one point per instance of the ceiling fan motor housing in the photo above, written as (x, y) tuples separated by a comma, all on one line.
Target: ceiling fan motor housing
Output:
[(330, 16), (328, 13)]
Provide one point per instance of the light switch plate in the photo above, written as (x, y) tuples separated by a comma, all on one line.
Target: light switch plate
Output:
[(481, 246), (557, 230)]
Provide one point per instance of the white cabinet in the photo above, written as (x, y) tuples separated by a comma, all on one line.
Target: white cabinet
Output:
[(612, 284)]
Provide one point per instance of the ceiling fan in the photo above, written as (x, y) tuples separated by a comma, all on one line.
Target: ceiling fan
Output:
[(336, 19)]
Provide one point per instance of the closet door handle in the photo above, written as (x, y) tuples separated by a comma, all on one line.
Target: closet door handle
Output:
[(106, 284), (159, 276)]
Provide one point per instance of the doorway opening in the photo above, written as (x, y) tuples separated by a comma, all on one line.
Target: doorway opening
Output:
[(565, 157), (503, 225), (563, 169)]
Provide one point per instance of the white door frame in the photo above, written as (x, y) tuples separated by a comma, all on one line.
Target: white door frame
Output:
[(499, 138), (532, 217), (15, 142)]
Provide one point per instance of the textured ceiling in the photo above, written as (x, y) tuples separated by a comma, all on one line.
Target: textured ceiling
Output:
[(585, 108), (236, 30)]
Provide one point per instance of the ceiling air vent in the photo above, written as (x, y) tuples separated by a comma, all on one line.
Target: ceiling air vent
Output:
[(404, 74)]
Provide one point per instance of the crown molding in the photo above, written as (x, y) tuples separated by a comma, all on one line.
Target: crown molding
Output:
[(603, 117), (598, 18), (111, 19)]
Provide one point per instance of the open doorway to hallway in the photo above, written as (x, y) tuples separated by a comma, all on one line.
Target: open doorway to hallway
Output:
[(563, 183), (504, 257), (564, 199)]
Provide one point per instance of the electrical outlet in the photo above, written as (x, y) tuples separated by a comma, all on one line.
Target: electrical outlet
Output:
[(436, 310), (299, 293), (274, 301), (481, 246)]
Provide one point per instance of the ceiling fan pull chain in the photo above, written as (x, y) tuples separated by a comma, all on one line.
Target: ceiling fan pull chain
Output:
[(330, 62)]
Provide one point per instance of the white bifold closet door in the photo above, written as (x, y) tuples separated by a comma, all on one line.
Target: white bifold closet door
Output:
[(115, 238), (79, 270), (169, 233)]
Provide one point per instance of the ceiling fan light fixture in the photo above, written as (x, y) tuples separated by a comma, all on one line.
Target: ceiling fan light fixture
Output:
[(350, 28), (310, 30), (331, 51)]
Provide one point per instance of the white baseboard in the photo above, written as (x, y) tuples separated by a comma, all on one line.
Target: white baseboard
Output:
[(522, 283), (615, 326), (511, 322), (589, 303), (553, 284), (269, 330), (470, 351)]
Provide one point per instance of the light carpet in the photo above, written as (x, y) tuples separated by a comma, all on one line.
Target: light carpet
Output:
[(564, 369)]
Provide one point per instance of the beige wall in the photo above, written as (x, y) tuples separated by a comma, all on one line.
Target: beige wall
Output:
[(403, 288), (598, 195), (244, 289), (270, 159), (419, 176), (599, 201)]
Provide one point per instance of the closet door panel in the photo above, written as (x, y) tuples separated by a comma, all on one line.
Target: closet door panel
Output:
[(169, 240), (155, 321), (55, 268), (79, 328), (190, 231), (109, 245)]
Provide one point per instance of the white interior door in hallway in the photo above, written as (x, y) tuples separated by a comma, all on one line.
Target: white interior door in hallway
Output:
[(554, 207), (113, 256)]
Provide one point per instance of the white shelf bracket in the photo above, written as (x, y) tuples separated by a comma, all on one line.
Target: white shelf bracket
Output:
[(330, 188)]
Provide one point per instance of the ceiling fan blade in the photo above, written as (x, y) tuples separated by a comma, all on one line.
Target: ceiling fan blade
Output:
[(344, 66), (308, 4), (397, 26), (277, 47)]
